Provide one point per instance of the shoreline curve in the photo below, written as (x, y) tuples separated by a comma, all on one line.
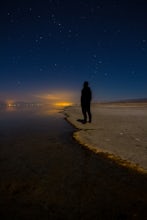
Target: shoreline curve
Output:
[(96, 136)]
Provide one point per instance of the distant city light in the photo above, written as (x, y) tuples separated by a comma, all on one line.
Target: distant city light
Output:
[(11, 105), (63, 104)]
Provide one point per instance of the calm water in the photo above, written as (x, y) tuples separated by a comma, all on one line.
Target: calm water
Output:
[(37, 156), (45, 175), (28, 139), (32, 120)]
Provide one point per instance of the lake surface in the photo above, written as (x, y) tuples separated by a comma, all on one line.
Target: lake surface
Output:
[(45, 174), (31, 121), (37, 154)]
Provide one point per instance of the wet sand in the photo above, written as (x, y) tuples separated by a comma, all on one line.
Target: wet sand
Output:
[(45, 174)]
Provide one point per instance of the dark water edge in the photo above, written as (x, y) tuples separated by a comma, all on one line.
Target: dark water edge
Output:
[(45, 174)]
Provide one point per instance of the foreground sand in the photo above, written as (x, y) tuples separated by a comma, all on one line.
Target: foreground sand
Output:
[(117, 129)]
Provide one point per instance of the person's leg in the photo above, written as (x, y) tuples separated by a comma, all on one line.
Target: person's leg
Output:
[(84, 113), (89, 112)]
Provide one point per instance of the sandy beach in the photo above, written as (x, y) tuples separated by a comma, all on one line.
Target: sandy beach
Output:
[(45, 174), (117, 129)]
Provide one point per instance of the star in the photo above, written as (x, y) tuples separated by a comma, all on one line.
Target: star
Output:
[(40, 37), (94, 55), (100, 62), (144, 41)]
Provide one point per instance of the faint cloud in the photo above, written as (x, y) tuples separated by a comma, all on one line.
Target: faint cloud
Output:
[(57, 97)]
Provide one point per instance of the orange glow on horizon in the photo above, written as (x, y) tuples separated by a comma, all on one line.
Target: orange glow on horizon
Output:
[(57, 97), (10, 103), (63, 104)]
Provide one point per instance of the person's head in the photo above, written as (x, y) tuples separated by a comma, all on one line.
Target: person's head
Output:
[(85, 84)]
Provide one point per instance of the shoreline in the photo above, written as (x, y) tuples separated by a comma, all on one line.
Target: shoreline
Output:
[(88, 134)]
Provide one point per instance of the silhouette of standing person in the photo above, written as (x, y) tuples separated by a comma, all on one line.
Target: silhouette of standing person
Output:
[(86, 96)]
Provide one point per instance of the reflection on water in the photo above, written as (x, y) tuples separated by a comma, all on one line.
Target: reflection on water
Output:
[(33, 109), (16, 116)]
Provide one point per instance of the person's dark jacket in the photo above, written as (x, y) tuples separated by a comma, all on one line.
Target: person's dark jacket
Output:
[(86, 96)]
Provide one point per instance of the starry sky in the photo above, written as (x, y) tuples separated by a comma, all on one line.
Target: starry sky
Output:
[(48, 48)]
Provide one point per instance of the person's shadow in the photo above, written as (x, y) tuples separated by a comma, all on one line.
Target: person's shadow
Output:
[(81, 121)]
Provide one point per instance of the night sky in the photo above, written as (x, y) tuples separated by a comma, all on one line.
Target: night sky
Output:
[(49, 47)]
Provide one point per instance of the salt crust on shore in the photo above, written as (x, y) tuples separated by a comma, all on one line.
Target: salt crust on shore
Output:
[(119, 130)]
